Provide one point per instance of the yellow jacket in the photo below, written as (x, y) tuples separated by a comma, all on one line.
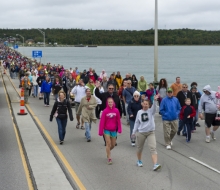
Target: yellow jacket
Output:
[(118, 80)]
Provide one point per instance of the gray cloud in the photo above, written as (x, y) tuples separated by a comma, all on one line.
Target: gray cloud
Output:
[(114, 14)]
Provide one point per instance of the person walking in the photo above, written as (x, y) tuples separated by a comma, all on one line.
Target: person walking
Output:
[(35, 85), (70, 85), (162, 89), (57, 86), (87, 108), (208, 104), (181, 96), (151, 92), (145, 128), (79, 91), (26, 84), (113, 82), (120, 92), (40, 80), (176, 87), (46, 90), (104, 96), (186, 115), (133, 107), (59, 111), (109, 125), (134, 81), (127, 96), (195, 103), (118, 79), (142, 85), (170, 109)]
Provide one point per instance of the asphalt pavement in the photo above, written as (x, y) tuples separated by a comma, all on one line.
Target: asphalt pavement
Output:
[(193, 165)]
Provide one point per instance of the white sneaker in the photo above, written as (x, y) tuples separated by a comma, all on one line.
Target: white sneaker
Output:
[(133, 144), (207, 139), (168, 147), (213, 136)]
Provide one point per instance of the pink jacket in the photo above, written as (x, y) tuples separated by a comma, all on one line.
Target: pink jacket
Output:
[(110, 120)]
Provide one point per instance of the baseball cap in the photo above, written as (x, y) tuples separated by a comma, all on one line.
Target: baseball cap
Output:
[(169, 90)]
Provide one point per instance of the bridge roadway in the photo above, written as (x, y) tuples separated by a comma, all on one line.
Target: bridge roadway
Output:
[(193, 165)]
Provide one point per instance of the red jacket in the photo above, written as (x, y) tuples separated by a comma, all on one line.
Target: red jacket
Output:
[(193, 114)]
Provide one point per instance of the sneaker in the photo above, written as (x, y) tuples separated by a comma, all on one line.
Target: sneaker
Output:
[(178, 133), (45, 105), (187, 141), (133, 144), (213, 136), (48, 105), (109, 162), (139, 163), (156, 167), (88, 140), (192, 131), (197, 125), (61, 142), (207, 139), (168, 147)]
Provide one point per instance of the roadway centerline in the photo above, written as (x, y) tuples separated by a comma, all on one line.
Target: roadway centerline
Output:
[(204, 164)]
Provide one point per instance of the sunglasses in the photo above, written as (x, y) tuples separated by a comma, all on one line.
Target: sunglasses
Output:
[(111, 88)]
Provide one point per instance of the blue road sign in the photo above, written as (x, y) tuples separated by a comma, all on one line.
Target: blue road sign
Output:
[(15, 46), (37, 54)]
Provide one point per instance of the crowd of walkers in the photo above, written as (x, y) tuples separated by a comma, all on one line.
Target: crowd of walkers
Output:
[(109, 97)]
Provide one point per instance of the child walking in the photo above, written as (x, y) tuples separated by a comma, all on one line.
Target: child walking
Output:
[(186, 115), (109, 123), (145, 126)]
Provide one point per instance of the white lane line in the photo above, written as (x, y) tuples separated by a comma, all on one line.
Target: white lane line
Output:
[(204, 164)]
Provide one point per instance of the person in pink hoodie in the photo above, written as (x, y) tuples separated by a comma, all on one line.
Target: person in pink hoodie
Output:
[(109, 123)]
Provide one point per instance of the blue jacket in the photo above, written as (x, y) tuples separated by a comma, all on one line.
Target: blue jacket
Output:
[(133, 108), (170, 108), (46, 87)]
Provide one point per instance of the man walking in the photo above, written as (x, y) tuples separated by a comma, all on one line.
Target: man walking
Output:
[(169, 109), (176, 87), (127, 97), (181, 96), (208, 104)]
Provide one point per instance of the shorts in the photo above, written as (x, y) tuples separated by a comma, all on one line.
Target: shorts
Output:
[(77, 107), (210, 120), (112, 134)]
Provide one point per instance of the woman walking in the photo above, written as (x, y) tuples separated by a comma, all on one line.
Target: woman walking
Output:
[(46, 90), (110, 123), (57, 86), (142, 85), (35, 85), (145, 127), (133, 107), (162, 89), (59, 111)]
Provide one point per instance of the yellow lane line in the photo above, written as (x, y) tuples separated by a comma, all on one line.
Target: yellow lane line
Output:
[(27, 174), (53, 144)]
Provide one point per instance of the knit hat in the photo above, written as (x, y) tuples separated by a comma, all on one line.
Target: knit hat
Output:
[(136, 93)]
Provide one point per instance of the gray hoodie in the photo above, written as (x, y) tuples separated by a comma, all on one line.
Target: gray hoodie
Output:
[(208, 101)]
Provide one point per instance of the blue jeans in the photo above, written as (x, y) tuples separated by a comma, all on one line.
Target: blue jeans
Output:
[(35, 90), (55, 96), (46, 98), (182, 127), (195, 119), (88, 129), (131, 127), (61, 128)]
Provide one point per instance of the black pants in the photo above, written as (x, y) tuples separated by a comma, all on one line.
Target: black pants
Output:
[(189, 127), (123, 107), (97, 111)]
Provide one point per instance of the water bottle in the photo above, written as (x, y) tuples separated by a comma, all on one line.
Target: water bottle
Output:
[(133, 138)]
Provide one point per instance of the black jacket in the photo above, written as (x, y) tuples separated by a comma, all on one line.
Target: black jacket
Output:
[(181, 97), (40, 80), (61, 108), (85, 78), (195, 98), (56, 87), (133, 108), (105, 95)]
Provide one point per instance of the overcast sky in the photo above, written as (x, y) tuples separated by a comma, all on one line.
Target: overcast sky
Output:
[(113, 14)]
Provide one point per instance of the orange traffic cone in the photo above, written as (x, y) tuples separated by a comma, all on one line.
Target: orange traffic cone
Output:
[(22, 110)]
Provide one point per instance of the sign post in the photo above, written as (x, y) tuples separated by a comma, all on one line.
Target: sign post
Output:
[(37, 54)]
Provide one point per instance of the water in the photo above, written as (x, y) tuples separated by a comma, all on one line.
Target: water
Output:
[(191, 63)]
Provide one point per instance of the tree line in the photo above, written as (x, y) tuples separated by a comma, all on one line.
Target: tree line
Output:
[(116, 37)]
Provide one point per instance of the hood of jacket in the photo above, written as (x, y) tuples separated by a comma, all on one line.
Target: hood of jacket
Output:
[(208, 88)]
